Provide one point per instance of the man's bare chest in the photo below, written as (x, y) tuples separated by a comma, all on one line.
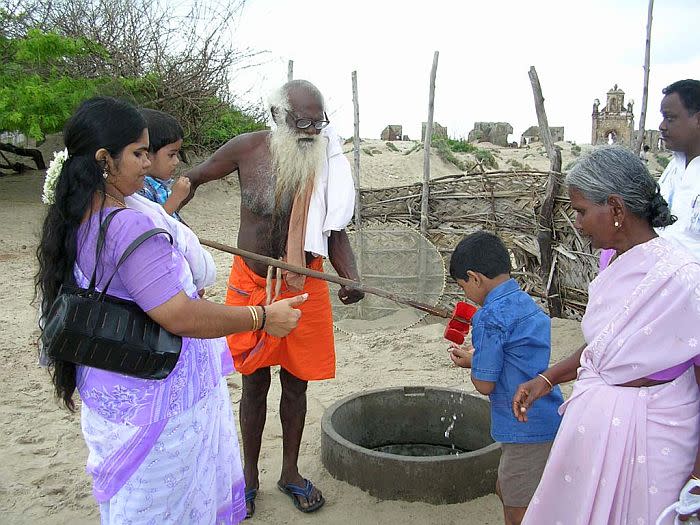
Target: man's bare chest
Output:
[(257, 188)]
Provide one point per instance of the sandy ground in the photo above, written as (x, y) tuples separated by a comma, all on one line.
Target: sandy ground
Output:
[(42, 471)]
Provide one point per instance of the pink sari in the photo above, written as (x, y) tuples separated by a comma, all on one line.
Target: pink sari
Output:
[(622, 454)]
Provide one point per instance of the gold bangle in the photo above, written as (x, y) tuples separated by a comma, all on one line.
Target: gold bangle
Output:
[(695, 477), (254, 316), (551, 386)]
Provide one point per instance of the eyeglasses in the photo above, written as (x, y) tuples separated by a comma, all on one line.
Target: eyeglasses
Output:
[(304, 123)]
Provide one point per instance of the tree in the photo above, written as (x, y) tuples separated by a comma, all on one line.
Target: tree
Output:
[(37, 91), (149, 53)]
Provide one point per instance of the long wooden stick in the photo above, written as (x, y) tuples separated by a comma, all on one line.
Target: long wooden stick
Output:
[(426, 149), (546, 224), (433, 310), (645, 92)]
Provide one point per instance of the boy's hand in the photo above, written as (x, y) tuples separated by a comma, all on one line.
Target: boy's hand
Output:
[(461, 355), (179, 192), (181, 189)]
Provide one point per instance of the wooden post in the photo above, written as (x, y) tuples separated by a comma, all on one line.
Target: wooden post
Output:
[(645, 91), (425, 194), (290, 70), (359, 244), (356, 148), (426, 149), (546, 216)]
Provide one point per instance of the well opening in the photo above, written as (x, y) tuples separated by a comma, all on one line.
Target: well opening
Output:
[(412, 443)]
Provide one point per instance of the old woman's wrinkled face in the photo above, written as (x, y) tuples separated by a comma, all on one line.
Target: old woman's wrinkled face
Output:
[(594, 221)]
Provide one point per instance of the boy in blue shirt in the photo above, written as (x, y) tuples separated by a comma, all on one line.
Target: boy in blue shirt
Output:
[(511, 339), (165, 137)]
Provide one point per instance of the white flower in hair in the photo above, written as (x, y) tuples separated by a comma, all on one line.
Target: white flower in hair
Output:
[(49, 194)]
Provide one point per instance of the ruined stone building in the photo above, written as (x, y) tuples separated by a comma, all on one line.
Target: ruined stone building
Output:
[(493, 132), (614, 124), (652, 138), (532, 134), (438, 130), (392, 132)]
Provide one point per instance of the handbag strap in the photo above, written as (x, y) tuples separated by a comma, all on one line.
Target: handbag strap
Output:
[(130, 249), (100, 244)]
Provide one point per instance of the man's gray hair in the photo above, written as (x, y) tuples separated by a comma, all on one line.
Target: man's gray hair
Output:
[(280, 97), (616, 170)]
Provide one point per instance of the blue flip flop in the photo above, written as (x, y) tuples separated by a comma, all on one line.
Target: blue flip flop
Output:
[(250, 495), (292, 490)]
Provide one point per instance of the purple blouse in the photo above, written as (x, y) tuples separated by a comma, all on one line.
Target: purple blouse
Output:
[(669, 374), (150, 276)]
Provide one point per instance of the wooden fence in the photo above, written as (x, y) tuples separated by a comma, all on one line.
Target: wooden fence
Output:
[(506, 203)]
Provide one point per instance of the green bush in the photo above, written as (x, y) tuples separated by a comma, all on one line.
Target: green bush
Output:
[(446, 154), (486, 158), (663, 161), (391, 146), (228, 123), (417, 146), (461, 146), (518, 165), (447, 147), (575, 150)]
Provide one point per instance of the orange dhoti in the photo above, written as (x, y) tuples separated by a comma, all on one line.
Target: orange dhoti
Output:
[(308, 352)]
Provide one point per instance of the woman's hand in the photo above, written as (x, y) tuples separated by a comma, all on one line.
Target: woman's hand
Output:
[(526, 394), (461, 355), (282, 316)]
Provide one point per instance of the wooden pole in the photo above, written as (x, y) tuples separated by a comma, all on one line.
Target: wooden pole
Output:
[(426, 149), (433, 310), (645, 91), (546, 220), (290, 70), (359, 247), (356, 152)]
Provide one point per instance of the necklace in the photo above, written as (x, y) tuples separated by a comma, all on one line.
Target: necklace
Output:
[(114, 199)]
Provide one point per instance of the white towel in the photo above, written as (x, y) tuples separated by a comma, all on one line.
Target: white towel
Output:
[(333, 199)]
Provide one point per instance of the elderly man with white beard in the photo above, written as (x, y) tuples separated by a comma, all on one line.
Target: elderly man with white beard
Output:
[(297, 197)]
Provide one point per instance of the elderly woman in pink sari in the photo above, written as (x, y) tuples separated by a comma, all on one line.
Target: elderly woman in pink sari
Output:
[(628, 442)]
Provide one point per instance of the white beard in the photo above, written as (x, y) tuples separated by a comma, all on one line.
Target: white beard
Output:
[(295, 162)]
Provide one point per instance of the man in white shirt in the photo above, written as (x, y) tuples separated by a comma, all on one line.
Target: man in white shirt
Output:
[(680, 181)]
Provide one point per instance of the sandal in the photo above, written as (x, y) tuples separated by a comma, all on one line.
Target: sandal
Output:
[(296, 491)]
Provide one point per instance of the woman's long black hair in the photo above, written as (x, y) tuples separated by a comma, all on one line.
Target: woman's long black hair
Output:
[(98, 123)]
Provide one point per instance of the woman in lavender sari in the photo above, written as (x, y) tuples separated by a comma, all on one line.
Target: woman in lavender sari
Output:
[(628, 442), (159, 451)]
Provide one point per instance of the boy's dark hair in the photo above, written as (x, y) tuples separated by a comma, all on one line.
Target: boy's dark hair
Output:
[(481, 252), (162, 129), (688, 91)]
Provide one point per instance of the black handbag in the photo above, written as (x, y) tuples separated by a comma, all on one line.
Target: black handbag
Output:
[(93, 328)]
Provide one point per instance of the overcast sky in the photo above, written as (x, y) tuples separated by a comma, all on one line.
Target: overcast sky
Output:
[(580, 49)]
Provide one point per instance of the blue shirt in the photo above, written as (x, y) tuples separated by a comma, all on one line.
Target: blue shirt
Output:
[(511, 336), (158, 191)]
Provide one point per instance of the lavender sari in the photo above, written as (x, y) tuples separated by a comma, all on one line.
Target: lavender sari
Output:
[(160, 451), (622, 454)]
